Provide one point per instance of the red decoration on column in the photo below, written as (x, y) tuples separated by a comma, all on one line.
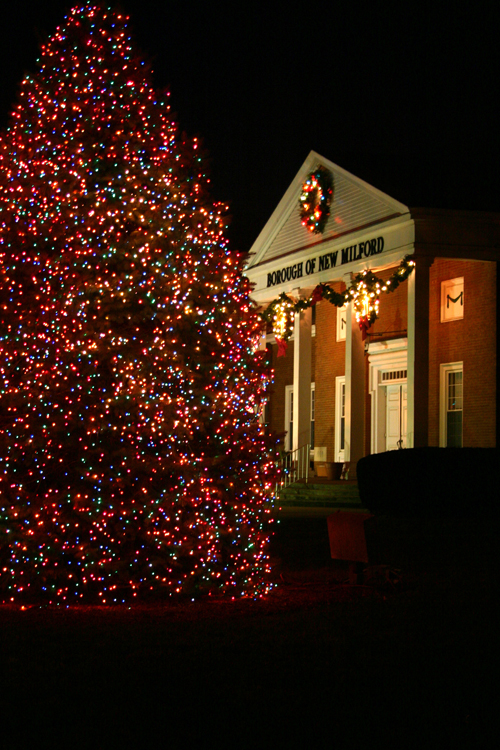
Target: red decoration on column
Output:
[(364, 325), (317, 295), (282, 347)]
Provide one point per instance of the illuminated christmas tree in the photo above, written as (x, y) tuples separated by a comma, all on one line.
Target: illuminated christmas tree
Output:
[(132, 460)]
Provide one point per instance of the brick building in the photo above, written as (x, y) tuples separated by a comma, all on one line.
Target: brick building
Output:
[(425, 372)]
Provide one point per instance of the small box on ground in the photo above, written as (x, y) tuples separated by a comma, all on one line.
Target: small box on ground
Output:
[(323, 469), (346, 533)]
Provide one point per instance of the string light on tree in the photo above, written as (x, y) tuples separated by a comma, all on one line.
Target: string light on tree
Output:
[(132, 462)]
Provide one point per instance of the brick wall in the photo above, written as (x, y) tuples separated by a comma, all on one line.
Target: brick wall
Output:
[(392, 321), (471, 340), (283, 376)]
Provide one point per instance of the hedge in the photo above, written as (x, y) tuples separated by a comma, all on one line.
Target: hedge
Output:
[(431, 482)]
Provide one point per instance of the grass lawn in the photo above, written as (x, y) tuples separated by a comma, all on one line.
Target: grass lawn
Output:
[(408, 662)]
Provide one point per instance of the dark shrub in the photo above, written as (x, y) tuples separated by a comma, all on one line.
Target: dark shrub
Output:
[(431, 482)]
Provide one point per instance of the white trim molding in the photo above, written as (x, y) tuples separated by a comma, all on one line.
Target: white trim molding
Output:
[(339, 416), (288, 417), (384, 357), (445, 370)]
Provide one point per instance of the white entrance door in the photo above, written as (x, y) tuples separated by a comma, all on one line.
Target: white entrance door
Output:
[(396, 414)]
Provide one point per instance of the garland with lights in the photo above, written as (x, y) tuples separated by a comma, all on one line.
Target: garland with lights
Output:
[(364, 294), (315, 200), (132, 460), (281, 316)]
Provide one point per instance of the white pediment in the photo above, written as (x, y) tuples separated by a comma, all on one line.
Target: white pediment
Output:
[(355, 205)]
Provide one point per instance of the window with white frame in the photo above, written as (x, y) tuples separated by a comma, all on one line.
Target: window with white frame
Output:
[(289, 417), (452, 299), (264, 412), (451, 405), (341, 322), (340, 419)]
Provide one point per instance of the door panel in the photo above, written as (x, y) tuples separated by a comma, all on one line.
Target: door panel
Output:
[(396, 416), (404, 413)]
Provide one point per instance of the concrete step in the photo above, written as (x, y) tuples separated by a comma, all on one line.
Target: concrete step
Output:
[(334, 495)]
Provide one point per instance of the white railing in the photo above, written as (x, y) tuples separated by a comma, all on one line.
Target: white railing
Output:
[(294, 466)]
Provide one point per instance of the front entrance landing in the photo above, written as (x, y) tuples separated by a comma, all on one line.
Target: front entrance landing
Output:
[(319, 497)]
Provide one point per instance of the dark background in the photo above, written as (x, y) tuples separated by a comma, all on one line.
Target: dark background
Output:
[(402, 95)]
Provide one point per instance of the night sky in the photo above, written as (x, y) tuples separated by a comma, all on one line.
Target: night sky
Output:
[(402, 95)]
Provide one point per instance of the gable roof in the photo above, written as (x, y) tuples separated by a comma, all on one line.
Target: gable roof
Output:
[(355, 205)]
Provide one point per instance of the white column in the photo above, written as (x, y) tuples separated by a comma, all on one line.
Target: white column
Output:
[(262, 347), (302, 379), (410, 416), (354, 389)]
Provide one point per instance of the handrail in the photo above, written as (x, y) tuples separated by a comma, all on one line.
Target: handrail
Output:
[(294, 466)]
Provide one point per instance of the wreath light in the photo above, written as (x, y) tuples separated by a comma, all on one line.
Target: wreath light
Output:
[(282, 319), (365, 297), (315, 200)]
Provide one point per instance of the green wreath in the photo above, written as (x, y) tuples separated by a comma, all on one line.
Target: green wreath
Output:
[(315, 200)]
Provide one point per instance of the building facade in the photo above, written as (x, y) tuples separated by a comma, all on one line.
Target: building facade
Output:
[(425, 372)]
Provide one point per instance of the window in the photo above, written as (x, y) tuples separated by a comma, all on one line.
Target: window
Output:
[(452, 299), (289, 417), (451, 405), (264, 417), (341, 323), (339, 419), (289, 398)]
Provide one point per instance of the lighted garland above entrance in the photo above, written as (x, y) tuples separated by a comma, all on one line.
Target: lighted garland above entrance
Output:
[(364, 294), (315, 200)]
